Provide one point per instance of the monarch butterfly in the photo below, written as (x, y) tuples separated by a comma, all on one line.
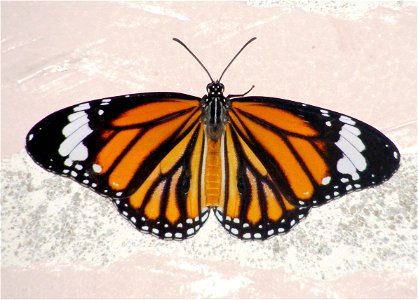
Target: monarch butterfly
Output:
[(167, 159)]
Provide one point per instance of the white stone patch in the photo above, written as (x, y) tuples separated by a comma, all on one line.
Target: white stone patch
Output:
[(96, 168), (326, 180)]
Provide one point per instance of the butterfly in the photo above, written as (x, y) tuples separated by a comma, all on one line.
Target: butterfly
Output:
[(167, 159)]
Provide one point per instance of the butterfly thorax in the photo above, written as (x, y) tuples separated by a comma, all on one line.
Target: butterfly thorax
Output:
[(215, 108)]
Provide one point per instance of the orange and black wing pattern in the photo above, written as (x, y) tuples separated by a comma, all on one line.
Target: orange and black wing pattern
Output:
[(142, 150), (252, 205), (282, 157)]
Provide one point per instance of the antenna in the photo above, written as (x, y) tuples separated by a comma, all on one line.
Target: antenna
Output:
[(181, 43), (243, 47)]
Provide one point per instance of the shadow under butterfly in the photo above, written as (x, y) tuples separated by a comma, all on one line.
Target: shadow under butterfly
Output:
[(167, 159)]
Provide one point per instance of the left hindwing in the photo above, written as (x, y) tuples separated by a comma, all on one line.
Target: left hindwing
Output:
[(313, 155)]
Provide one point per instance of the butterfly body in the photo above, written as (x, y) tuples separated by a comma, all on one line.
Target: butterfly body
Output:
[(215, 107), (167, 159)]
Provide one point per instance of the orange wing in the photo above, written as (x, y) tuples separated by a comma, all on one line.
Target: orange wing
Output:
[(251, 205), (283, 157), (169, 203), (143, 150)]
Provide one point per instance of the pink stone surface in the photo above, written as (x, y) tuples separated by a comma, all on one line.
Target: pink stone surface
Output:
[(58, 54)]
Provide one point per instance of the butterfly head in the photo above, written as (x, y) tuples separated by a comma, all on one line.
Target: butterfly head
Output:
[(215, 108), (215, 89)]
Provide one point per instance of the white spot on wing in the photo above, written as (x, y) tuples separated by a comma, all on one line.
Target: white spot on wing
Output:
[(74, 125), (74, 139), (347, 120), (352, 137), (83, 106), (326, 180), (97, 168), (345, 166), (74, 116), (352, 153), (79, 153)]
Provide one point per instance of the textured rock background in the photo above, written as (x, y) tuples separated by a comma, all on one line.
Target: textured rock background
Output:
[(61, 240)]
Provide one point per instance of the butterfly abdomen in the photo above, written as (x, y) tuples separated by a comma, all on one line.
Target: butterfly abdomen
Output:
[(213, 173)]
